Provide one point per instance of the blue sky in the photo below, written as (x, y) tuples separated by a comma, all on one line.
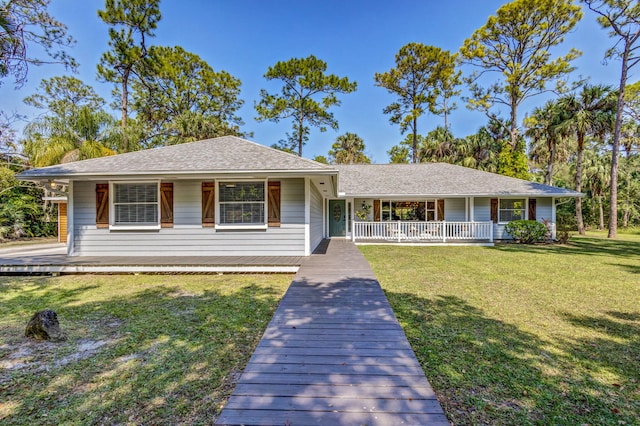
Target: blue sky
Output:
[(356, 38)]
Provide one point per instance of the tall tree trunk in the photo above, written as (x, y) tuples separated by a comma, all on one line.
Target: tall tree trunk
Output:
[(300, 135), (445, 109), (601, 211), (548, 178), (125, 106), (615, 149), (627, 197), (579, 183), (415, 139), (513, 131)]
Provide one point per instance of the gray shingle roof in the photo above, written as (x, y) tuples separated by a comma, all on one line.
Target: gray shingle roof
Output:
[(434, 179), (227, 154)]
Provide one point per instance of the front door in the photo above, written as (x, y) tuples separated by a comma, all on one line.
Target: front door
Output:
[(337, 218)]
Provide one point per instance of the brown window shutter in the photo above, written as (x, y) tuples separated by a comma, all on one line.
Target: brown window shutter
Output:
[(102, 205), (208, 204), (166, 205), (376, 210), (494, 210), (274, 203), (532, 208), (440, 209)]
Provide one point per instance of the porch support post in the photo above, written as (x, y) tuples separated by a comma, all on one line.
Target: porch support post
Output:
[(70, 220), (353, 230), (307, 216), (442, 231), (553, 218), (472, 212)]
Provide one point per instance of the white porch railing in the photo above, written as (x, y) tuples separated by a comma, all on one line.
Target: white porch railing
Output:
[(422, 231)]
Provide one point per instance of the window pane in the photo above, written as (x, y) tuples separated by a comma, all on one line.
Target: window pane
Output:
[(136, 213), (136, 193), (242, 213), (245, 191), (408, 210), (511, 210), (242, 203), (135, 203)]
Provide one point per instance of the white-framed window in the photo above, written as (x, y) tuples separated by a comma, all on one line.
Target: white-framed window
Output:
[(405, 210), (135, 204), (511, 209), (242, 203)]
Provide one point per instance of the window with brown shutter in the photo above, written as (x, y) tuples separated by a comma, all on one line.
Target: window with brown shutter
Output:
[(494, 210), (274, 203), (102, 205), (166, 205), (376, 210), (208, 204), (532, 209), (440, 209)]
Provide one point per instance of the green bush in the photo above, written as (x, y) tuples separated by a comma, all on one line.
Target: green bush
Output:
[(527, 231)]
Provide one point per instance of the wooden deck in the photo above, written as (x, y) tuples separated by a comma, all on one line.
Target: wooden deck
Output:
[(333, 354), (52, 258)]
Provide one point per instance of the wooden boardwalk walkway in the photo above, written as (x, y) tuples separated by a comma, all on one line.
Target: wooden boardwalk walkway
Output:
[(333, 354)]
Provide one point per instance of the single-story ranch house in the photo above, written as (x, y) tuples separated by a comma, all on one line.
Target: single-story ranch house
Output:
[(230, 196)]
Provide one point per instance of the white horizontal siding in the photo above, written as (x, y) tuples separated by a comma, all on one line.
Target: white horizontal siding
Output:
[(454, 210), (292, 201), (482, 209), (187, 202), (188, 237), (544, 209), (315, 225)]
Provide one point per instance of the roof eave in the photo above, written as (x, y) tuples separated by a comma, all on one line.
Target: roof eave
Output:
[(462, 195), (119, 175)]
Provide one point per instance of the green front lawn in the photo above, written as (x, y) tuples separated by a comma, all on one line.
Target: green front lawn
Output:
[(148, 349), (516, 335)]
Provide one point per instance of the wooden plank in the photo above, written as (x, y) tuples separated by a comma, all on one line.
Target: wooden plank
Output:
[(257, 389), (339, 403), (358, 380), (336, 352), (361, 369), (348, 344), (284, 358), (271, 417)]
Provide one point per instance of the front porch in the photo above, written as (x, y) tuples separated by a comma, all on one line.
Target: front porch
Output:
[(438, 232)]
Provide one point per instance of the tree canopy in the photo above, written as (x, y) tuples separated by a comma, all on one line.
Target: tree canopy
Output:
[(622, 19), (178, 98), (25, 24), (516, 43), (348, 149), (131, 22), (306, 95), (422, 75)]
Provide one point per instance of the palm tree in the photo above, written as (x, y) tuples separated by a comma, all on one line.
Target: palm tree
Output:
[(545, 133), (348, 149), (597, 173), (85, 134), (630, 141), (438, 145), (590, 113), (479, 151)]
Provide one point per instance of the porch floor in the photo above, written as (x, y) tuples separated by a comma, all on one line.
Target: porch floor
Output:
[(52, 258), (333, 354)]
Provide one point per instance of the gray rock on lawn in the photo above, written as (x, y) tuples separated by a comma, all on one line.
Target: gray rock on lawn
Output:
[(44, 325)]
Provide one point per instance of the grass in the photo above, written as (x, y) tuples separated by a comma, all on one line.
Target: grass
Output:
[(513, 334), (149, 349)]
